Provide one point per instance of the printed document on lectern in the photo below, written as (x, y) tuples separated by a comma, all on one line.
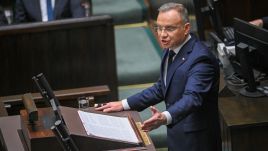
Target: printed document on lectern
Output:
[(112, 127)]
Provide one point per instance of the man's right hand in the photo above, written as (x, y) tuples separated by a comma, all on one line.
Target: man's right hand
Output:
[(111, 107)]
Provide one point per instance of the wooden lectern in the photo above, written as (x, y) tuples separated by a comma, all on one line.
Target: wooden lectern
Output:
[(39, 137), (244, 123)]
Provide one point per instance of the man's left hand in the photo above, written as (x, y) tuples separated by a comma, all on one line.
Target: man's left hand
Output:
[(155, 121)]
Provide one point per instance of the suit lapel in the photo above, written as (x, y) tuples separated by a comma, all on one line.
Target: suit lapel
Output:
[(180, 58), (36, 8), (58, 8)]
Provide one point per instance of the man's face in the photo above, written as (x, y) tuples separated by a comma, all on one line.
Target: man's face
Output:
[(170, 29)]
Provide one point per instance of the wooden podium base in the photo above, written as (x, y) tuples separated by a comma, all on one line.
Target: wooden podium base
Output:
[(39, 137)]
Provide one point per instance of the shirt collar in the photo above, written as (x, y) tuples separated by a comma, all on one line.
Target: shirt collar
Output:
[(176, 50)]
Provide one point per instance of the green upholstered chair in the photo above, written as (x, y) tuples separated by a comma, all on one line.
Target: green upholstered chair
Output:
[(138, 56), (158, 136), (122, 11)]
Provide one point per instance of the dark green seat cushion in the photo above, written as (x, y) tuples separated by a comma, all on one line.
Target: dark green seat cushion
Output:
[(138, 56), (158, 136), (122, 11)]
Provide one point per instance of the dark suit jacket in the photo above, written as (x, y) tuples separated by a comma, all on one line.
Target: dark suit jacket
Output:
[(265, 22), (30, 11), (3, 20), (191, 97)]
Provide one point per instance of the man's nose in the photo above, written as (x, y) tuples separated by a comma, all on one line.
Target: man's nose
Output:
[(163, 33)]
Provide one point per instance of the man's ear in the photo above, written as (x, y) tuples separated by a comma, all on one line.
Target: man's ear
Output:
[(187, 28)]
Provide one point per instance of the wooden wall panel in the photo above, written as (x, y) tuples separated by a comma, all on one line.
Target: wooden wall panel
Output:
[(71, 53)]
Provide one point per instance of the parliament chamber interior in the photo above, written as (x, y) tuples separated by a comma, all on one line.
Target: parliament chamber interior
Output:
[(113, 53)]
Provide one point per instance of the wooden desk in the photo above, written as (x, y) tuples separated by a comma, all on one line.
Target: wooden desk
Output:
[(10, 126), (244, 123), (84, 54), (66, 97), (136, 117), (3, 111)]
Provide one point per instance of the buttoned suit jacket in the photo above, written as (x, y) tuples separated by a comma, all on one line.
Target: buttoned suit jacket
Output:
[(3, 20), (265, 22), (191, 97), (30, 10)]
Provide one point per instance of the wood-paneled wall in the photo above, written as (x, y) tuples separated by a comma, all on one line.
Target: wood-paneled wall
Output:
[(71, 53)]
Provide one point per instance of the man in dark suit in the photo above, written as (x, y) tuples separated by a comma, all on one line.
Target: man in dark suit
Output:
[(3, 20), (37, 10), (188, 83)]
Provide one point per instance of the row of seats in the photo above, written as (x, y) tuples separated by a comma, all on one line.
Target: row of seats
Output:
[(122, 11), (133, 11), (138, 55)]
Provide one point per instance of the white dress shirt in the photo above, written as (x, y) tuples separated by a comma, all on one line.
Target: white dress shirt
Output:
[(43, 6)]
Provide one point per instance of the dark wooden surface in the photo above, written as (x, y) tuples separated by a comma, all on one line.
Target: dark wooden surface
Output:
[(71, 53), (67, 97), (11, 124), (38, 136), (244, 123), (3, 111), (243, 9), (75, 126)]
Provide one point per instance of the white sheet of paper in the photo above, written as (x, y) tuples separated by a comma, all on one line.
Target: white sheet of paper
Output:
[(107, 126)]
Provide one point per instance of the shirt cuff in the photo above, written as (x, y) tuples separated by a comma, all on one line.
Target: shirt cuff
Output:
[(125, 104), (168, 116)]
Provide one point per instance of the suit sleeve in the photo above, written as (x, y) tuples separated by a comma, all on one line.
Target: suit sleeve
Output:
[(201, 79), (146, 98), (20, 13), (265, 22), (77, 10), (3, 20)]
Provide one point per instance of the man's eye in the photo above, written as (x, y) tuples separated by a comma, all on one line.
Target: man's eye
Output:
[(156, 28), (170, 28)]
